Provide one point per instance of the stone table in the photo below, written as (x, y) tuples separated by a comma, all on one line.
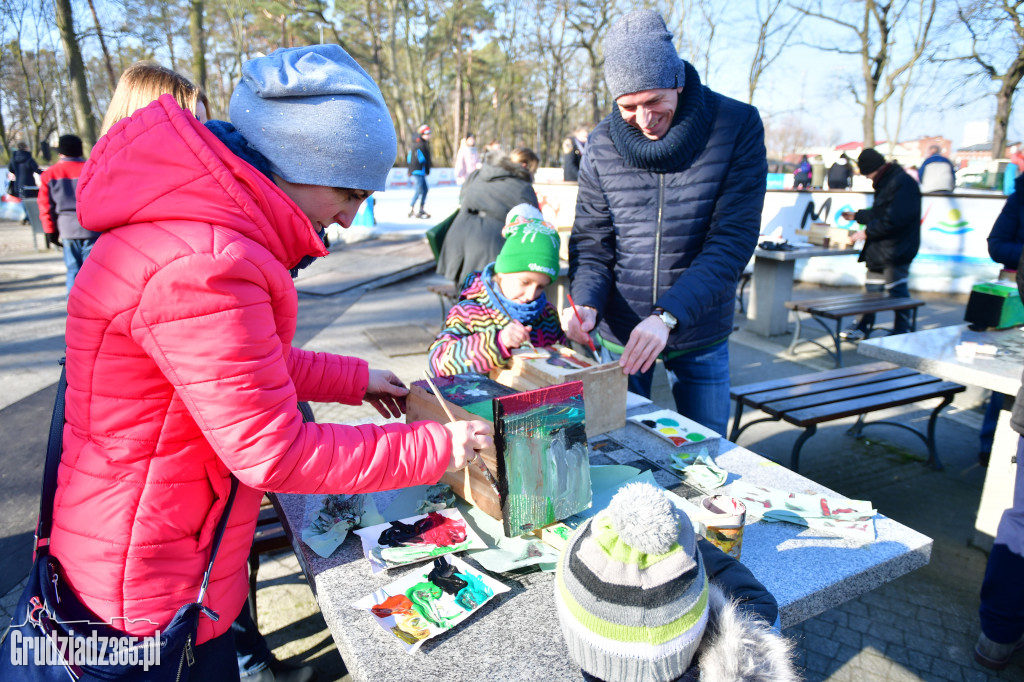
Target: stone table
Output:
[(516, 635), (933, 351), (773, 286)]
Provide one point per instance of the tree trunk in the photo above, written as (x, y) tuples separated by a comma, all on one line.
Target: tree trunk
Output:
[(1004, 105), (198, 36), (103, 46), (84, 121)]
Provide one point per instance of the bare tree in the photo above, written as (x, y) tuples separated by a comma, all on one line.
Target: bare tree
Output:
[(874, 34), (591, 20), (103, 46), (769, 44), (197, 33), (996, 28), (85, 123)]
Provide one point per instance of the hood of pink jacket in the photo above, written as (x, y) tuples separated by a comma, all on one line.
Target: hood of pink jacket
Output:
[(208, 184)]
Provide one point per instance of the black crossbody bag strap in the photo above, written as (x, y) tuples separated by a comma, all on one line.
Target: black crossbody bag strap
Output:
[(49, 492)]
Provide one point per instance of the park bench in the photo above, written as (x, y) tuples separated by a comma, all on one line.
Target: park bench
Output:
[(447, 295), (838, 308), (808, 400), (269, 537)]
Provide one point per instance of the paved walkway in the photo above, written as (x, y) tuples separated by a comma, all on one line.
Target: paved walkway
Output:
[(919, 627)]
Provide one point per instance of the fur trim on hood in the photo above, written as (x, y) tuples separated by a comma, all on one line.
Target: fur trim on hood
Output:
[(740, 647)]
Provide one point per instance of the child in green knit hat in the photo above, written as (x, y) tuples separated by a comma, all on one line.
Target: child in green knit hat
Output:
[(504, 306)]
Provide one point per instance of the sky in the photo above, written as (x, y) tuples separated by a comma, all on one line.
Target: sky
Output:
[(812, 84)]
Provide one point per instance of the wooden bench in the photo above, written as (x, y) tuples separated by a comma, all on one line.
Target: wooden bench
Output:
[(269, 537), (811, 399), (447, 294), (838, 308)]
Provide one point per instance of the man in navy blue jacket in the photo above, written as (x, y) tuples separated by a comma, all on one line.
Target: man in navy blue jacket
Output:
[(671, 188)]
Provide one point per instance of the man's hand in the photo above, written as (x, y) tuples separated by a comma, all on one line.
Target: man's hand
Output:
[(848, 215), (54, 238), (645, 344), (514, 334), (858, 236), (469, 438), (386, 393), (577, 331)]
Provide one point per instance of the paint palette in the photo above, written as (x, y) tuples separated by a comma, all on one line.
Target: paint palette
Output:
[(431, 601), (417, 538), (674, 427)]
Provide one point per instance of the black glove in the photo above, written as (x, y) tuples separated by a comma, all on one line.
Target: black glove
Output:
[(54, 239)]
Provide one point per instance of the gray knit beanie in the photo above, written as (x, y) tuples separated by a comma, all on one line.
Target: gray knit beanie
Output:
[(639, 55), (317, 116), (631, 591)]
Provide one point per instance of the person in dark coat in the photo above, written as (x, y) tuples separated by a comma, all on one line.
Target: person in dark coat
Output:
[(667, 216), (419, 169), (840, 173), (1005, 246), (802, 174), (1006, 240), (572, 152), (22, 172), (891, 236), (490, 192)]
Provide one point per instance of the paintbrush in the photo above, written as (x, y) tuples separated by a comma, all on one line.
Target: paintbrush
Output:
[(451, 418), (505, 313), (590, 341)]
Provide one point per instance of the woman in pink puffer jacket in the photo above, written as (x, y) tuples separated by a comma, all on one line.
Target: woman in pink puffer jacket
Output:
[(180, 366)]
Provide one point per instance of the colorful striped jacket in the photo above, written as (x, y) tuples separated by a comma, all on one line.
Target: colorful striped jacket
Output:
[(469, 341)]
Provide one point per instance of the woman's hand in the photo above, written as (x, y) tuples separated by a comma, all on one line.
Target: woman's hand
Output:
[(386, 393), (469, 438), (514, 334)]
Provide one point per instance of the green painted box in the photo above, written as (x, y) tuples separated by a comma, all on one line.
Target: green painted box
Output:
[(996, 305)]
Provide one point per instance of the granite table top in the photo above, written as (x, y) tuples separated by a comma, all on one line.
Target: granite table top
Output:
[(516, 635), (933, 351), (810, 251)]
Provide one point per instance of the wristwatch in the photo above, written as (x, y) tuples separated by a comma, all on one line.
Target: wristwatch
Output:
[(668, 318)]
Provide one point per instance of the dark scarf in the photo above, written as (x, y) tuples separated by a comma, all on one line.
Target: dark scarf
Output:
[(241, 148), (686, 137)]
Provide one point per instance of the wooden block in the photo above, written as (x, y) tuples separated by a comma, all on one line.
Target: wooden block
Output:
[(825, 235), (604, 386)]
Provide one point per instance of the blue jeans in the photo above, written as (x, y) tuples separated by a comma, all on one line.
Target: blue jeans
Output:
[(421, 190), (1002, 591), (251, 649), (699, 381), (75, 253)]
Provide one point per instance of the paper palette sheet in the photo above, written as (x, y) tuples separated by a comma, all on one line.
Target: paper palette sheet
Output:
[(416, 608), (441, 532)]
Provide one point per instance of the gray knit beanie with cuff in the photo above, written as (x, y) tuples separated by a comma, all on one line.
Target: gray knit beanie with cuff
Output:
[(639, 55), (631, 591), (317, 117)]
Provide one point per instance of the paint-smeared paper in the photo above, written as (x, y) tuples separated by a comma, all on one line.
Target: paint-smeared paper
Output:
[(700, 471), (543, 460), (329, 518), (854, 519), (416, 608), (674, 427), (437, 539)]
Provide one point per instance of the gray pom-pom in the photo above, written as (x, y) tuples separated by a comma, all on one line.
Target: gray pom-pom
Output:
[(644, 518)]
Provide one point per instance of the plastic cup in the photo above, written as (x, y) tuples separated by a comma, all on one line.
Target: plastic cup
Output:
[(722, 522)]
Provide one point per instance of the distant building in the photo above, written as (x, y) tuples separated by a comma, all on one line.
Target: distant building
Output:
[(983, 152)]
